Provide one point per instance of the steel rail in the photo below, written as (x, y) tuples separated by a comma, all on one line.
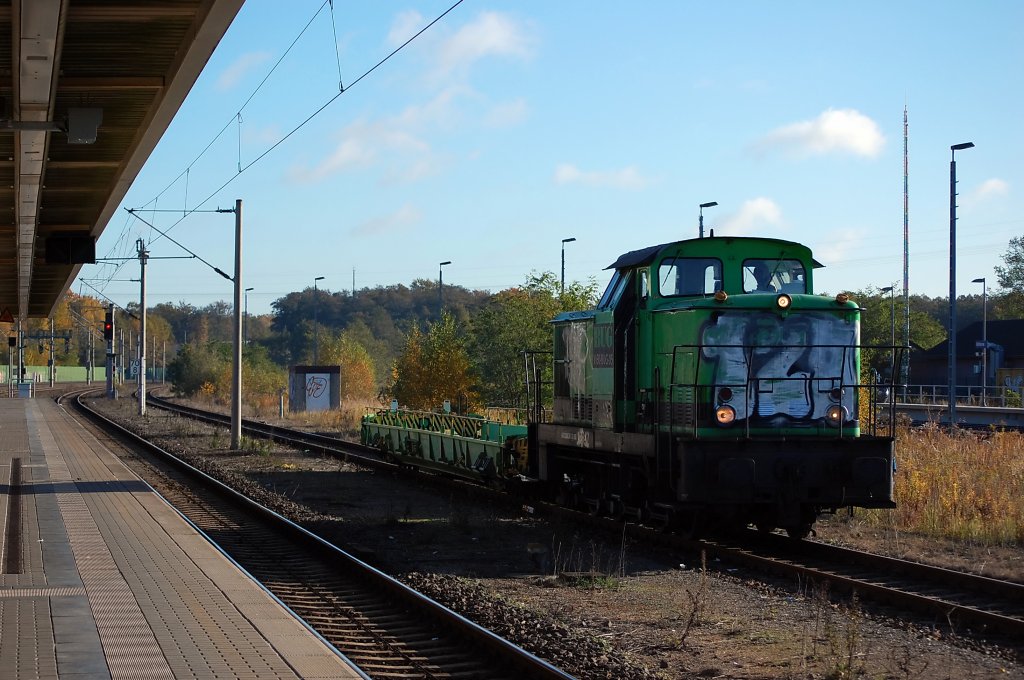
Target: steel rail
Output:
[(509, 658), (959, 598)]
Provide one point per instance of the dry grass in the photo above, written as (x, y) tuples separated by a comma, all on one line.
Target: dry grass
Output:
[(966, 486), (346, 419)]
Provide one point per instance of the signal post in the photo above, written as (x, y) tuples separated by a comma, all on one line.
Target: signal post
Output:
[(108, 335)]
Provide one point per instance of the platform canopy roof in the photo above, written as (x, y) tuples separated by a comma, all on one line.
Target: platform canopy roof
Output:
[(66, 65)]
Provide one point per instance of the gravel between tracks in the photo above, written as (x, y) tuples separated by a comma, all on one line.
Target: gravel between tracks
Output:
[(615, 610)]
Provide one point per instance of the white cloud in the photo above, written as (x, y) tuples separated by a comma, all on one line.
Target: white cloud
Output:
[(507, 114), (364, 144), (489, 34), (351, 153), (990, 188), (842, 131), (838, 245), (398, 221), (407, 173), (405, 26), (757, 213), (626, 178), (439, 111), (234, 73)]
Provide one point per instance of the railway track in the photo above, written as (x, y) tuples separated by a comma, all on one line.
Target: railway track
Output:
[(386, 628), (962, 601)]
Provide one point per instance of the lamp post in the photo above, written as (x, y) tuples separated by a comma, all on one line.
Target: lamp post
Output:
[(952, 278), (316, 328), (245, 330), (984, 336), (440, 286), (709, 204), (564, 241)]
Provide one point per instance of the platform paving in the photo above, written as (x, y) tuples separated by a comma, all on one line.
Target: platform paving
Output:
[(100, 578)]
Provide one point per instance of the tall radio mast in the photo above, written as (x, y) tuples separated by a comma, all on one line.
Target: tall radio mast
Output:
[(905, 363)]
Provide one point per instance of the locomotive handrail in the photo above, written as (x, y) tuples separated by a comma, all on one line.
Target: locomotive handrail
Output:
[(748, 358)]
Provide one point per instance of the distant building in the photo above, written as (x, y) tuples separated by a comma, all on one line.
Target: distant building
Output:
[(1005, 357)]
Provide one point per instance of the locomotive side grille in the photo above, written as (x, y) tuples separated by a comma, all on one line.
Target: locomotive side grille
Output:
[(679, 414), (578, 408), (583, 408)]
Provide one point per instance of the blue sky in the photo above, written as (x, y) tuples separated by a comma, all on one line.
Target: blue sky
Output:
[(509, 126)]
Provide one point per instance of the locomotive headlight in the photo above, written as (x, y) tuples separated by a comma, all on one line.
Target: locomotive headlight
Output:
[(784, 301), (725, 394), (721, 296), (842, 299), (836, 394), (835, 415), (725, 414)]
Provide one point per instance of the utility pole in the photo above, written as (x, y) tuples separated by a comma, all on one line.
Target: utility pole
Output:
[(236, 382), (53, 367), (143, 256), (21, 351), (108, 335)]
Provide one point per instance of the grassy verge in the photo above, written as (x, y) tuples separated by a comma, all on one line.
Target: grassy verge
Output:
[(967, 486)]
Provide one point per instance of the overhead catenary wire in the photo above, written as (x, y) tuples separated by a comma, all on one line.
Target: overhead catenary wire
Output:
[(164, 233), (307, 119)]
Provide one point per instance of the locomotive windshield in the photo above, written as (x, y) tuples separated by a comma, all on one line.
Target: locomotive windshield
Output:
[(620, 279), (689, 276), (774, 276)]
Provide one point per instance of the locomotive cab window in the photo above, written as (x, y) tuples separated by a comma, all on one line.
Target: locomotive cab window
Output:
[(678, 276), (610, 298), (774, 276)]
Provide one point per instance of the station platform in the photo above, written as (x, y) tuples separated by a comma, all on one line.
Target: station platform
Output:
[(100, 578)]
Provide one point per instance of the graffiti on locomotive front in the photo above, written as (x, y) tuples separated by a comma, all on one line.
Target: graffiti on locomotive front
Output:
[(785, 365)]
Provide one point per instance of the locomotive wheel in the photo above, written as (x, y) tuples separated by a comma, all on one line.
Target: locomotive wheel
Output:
[(799, 532), (690, 523)]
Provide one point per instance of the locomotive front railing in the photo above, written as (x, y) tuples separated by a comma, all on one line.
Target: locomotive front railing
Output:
[(695, 390)]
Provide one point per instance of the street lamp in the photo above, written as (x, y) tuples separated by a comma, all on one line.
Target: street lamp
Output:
[(245, 334), (952, 278), (709, 204), (316, 327), (440, 286), (564, 241), (984, 336)]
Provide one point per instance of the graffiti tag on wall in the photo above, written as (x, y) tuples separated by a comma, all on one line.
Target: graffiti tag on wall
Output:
[(315, 386)]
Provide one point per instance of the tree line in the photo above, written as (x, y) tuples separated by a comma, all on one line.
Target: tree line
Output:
[(388, 339)]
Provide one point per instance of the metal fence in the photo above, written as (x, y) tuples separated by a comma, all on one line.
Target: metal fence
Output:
[(968, 395)]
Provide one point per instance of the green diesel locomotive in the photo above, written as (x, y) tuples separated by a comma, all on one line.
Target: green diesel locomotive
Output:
[(710, 385)]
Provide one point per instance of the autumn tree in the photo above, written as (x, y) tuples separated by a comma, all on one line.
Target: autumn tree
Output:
[(447, 362), (434, 367), (408, 382), (515, 321), (358, 380), (1011, 276)]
